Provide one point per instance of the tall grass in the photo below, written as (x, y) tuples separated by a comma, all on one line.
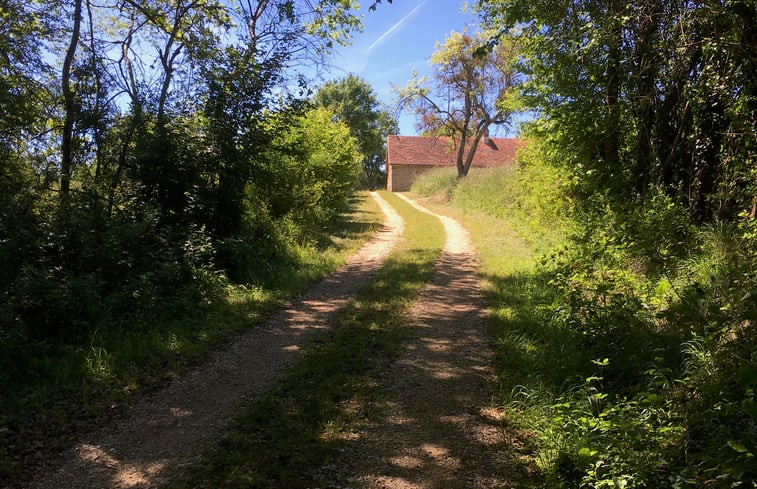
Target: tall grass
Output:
[(527, 198), (438, 183)]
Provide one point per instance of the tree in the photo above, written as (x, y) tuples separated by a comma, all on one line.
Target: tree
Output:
[(149, 127), (313, 165), (354, 102), (473, 89), (644, 95), (69, 104), (27, 103), (372, 7)]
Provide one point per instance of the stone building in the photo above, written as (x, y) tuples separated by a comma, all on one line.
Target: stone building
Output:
[(409, 156)]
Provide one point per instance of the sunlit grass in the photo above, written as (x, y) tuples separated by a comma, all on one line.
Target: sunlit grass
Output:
[(508, 231), (619, 357)]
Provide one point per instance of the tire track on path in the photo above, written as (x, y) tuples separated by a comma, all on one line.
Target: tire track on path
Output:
[(437, 430), (167, 430)]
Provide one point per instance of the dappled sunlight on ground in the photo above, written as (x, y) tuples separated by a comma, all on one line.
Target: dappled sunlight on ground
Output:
[(122, 474), (438, 430), (164, 431)]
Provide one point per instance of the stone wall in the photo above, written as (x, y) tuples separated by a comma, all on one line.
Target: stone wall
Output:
[(401, 177)]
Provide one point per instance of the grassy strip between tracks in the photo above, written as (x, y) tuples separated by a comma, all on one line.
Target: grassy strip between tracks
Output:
[(283, 439)]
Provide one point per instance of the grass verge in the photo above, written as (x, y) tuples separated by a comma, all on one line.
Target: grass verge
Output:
[(66, 388), (283, 439), (632, 361)]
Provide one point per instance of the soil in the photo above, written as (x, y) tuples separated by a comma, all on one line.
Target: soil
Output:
[(434, 429)]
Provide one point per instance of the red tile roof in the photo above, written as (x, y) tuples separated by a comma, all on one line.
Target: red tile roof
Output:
[(421, 150)]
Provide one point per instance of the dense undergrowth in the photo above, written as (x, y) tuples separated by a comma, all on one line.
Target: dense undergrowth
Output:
[(626, 340), (52, 384)]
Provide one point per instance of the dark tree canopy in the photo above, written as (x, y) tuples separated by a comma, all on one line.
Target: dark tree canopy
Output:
[(646, 94), (132, 131)]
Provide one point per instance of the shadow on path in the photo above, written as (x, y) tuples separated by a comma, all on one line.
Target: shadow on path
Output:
[(437, 429), (171, 427)]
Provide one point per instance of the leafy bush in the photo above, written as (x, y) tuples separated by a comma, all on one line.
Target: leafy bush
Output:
[(671, 414), (313, 166)]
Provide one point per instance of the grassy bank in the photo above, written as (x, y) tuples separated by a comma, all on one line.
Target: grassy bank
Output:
[(53, 388), (299, 426), (632, 361)]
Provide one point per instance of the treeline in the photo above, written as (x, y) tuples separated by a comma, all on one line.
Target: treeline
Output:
[(150, 146), (152, 154), (645, 97), (645, 318)]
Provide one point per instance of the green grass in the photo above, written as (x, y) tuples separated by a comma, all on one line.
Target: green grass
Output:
[(527, 200), (282, 439), (632, 361), (504, 212), (50, 389), (438, 183)]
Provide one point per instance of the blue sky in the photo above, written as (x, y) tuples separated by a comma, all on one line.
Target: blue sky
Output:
[(396, 39)]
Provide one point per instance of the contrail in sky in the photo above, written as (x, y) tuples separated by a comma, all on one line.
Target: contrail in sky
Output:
[(396, 26)]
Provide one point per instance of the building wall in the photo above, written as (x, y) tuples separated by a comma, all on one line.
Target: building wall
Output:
[(401, 177)]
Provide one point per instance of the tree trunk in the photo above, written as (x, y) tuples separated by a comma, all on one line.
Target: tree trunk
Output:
[(98, 125), (480, 131), (69, 107), (646, 65), (612, 134), (460, 159)]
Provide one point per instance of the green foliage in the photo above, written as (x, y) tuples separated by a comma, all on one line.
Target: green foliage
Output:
[(354, 103), (626, 341), (96, 342), (648, 110), (590, 439), (676, 336), (313, 167), (372, 7), (138, 191), (644, 96)]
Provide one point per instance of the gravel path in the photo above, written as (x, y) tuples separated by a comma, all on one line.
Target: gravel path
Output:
[(436, 429), (170, 428)]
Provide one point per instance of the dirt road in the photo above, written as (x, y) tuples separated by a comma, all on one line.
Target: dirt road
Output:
[(168, 429), (436, 431)]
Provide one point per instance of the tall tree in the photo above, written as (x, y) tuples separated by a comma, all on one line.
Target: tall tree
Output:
[(473, 89), (27, 103), (69, 104), (240, 80), (354, 102)]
